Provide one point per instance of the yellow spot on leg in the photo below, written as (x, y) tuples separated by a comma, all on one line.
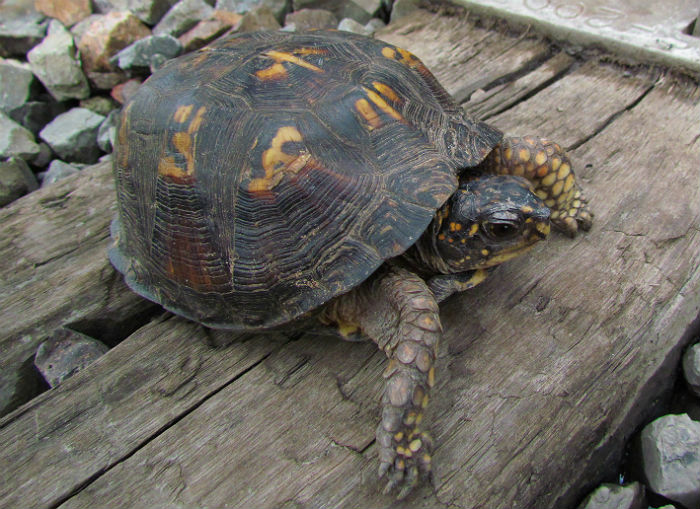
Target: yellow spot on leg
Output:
[(524, 155), (540, 158)]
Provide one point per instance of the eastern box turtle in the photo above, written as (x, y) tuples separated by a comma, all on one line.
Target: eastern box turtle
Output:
[(275, 178)]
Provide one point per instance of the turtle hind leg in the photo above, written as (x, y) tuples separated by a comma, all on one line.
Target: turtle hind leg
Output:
[(548, 167)]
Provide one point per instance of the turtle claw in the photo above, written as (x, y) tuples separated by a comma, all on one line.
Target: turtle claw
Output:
[(577, 217), (411, 461)]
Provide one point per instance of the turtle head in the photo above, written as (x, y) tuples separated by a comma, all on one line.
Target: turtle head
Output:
[(489, 219)]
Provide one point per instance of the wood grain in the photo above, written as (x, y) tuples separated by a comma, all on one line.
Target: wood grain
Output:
[(544, 371)]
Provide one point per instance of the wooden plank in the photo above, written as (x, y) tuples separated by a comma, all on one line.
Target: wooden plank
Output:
[(602, 92), (468, 57), (543, 366), (483, 104), (54, 271), (95, 419)]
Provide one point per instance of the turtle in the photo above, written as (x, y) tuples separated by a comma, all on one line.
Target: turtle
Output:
[(273, 180)]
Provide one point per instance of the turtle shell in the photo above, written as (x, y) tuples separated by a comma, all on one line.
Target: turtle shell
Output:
[(261, 176)]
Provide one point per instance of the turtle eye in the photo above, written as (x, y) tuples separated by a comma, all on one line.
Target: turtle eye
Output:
[(501, 230)]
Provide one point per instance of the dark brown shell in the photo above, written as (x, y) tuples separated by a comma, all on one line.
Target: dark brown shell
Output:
[(261, 176)]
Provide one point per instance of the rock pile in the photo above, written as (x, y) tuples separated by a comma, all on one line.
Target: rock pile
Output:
[(665, 455), (66, 66)]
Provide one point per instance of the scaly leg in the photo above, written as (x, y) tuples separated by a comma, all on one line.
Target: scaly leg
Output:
[(399, 312), (548, 167)]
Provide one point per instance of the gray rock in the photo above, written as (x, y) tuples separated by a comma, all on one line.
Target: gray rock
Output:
[(108, 132), (16, 80), (148, 11), (311, 18), (73, 135), (44, 157), (55, 62), (34, 115), (278, 7), (671, 458), (261, 18), (359, 10), (58, 170), (65, 353), (374, 24), (614, 496), (99, 104), (182, 16), (140, 55), (691, 368), (21, 28), (16, 180), (350, 25), (15, 140), (403, 8), (80, 28)]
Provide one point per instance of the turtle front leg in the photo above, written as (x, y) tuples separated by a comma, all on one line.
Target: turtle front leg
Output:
[(399, 312), (548, 167)]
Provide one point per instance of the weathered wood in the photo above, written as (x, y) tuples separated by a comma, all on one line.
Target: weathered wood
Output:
[(545, 366), (54, 271)]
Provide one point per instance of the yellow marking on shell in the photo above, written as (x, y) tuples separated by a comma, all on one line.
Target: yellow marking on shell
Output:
[(407, 57), (281, 56), (415, 445), (564, 170), (365, 109), (386, 91), (524, 155), (549, 179), (473, 229), (540, 158), (431, 377), (310, 51), (182, 113), (273, 73), (184, 143), (389, 52), (383, 105), (277, 163), (277, 71)]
